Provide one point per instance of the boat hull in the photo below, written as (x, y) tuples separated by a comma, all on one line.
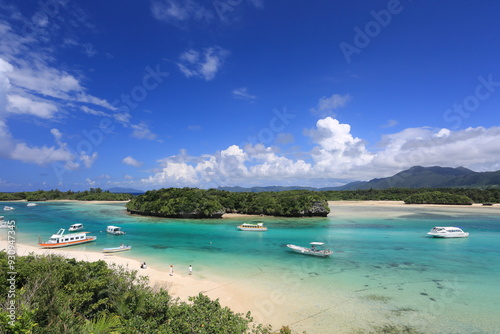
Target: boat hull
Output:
[(465, 235), (67, 244), (309, 251), (253, 229), (116, 249)]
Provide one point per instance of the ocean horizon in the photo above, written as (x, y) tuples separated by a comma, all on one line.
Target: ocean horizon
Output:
[(384, 270)]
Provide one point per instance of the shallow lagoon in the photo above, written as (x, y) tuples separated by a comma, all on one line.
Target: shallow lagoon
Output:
[(383, 269)]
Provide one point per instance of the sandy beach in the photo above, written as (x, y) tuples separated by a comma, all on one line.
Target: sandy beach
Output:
[(180, 284)]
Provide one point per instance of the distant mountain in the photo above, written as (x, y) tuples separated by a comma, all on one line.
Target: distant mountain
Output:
[(431, 177), (414, 177), (125, 191)]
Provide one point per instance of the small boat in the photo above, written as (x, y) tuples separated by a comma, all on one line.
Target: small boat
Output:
[(114, 230), (447, 232), (76, 228), (31, 204), (259, 227), (8, 208), (121, 248), (314, 250), (63, 240)]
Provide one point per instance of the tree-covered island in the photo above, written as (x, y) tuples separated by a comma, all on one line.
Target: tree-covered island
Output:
[(213, 203)]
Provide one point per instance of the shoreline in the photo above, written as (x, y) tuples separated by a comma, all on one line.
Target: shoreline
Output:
[(181, 285)]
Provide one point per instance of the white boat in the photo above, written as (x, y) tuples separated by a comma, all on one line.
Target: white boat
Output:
[(447, 232), (31, 204), (121, 248), (114, 230), (63, 240), (314, 250), (76, 228), (259, 227), (8, 208)]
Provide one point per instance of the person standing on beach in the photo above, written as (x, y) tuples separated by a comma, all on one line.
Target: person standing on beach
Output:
[(171, 270), (190, 270)]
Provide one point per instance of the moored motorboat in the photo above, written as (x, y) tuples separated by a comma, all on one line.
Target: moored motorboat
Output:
[(76, 228), (63, 240), (447, 232), (114, 230), (31, 204), (259, 227), (121, 248), (8, 208), (314, 250)]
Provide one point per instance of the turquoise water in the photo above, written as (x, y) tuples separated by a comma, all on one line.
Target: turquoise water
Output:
[(382, 265)]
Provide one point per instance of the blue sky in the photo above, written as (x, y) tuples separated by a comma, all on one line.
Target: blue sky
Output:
[(166, 93)]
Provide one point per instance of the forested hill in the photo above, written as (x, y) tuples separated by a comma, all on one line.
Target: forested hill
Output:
[(431, 177)]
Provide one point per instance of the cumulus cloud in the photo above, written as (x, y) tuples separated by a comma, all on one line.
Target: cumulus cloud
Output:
[(327, 105), (202, 64), (337, 150), (336, 155), (131, 161)]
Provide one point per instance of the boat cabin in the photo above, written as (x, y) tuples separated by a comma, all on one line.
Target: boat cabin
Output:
[(75, 227), (59, 237), (114, 230)]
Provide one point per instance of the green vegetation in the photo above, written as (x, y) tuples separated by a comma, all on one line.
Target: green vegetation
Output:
[(401, 194), (212, 203), (55, 295), (438, 197), (94, 194)]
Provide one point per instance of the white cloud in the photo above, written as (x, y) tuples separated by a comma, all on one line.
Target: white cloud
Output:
[(203, 64), (88, 160), (243, 94), (336, 155), (473, 148), (40, 155), (131, 161), (172, 11), (327, 105), (33, 83), (23, 105), (142, 131), (337, 149)]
